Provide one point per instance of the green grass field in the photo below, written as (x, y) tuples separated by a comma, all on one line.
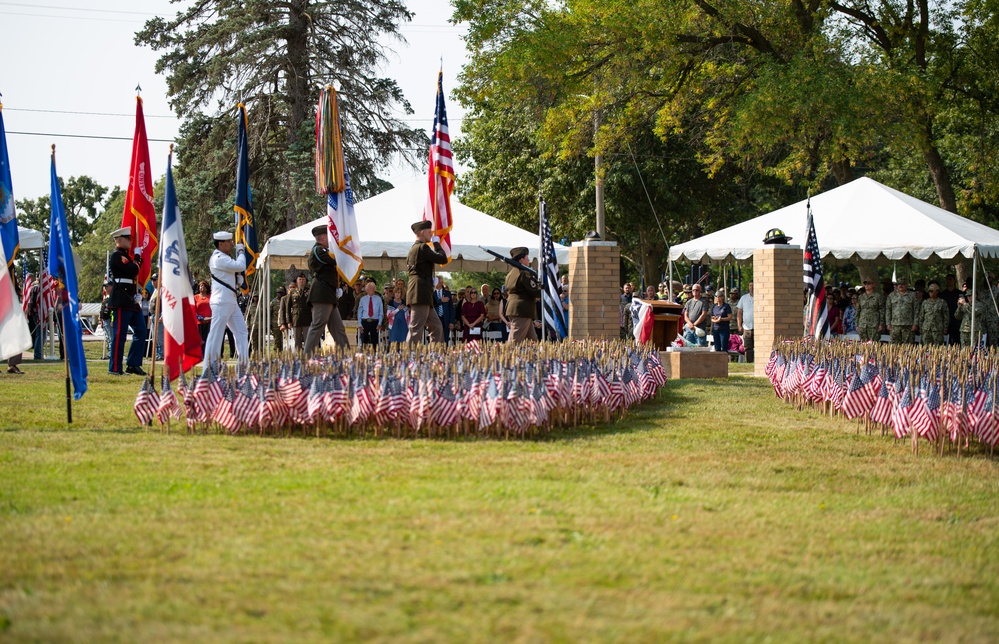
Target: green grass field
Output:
[(715, 512)]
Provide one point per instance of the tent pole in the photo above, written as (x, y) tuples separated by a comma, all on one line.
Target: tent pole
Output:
[(669, 279), (974, 290)]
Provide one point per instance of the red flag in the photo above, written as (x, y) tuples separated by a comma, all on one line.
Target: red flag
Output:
[(140, 213)]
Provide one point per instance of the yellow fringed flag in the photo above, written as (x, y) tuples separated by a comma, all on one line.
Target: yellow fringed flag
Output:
[(329, 145)]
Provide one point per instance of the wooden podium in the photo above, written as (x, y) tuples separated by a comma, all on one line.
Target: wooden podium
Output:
[(667, 322)]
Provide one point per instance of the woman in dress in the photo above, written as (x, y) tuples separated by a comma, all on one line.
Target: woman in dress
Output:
[(473, 314), (398, 318), (203, 309)]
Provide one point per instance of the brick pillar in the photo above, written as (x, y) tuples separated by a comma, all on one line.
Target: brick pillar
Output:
[(594, 301), (777, 302)]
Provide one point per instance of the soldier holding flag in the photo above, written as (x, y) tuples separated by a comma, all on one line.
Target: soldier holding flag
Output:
[(523, 290), (420, 289), (225, 308), (124, 305)]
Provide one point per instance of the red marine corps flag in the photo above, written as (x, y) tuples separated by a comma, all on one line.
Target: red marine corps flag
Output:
[(440, 179), (140, 213)]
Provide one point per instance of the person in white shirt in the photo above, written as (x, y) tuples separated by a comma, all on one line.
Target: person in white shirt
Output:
[(745, 318), (371, 312), (225, 309)]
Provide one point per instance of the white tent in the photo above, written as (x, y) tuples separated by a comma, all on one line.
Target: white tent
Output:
[(862, 220), (383, 223), (30, 239)]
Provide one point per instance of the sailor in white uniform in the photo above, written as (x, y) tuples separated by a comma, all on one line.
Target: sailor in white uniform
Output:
[(225, 310)]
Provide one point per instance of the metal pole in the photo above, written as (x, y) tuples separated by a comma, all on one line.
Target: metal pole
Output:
[(597, 162), (974, 291)]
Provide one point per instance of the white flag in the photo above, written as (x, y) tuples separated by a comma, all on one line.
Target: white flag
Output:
[(15, 336), (341, 225)]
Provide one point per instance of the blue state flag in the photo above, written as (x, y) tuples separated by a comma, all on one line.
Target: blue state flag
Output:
[(62, 267), (246, 229), (8, 217)]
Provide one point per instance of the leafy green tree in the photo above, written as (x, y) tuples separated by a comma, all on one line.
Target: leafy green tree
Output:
[(83, 199), (274, 57)]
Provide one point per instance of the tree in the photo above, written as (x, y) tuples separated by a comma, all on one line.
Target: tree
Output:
[(274, 57), (83, 199)]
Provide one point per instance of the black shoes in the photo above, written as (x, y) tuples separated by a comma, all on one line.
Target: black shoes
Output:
[(136, 371)]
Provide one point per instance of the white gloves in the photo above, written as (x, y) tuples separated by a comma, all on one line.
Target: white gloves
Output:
[(138, 251), (435, 239), (240, 248), (138, 298)]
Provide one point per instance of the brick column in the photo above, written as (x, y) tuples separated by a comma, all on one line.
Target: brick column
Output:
[(777, 303), (594, 300)]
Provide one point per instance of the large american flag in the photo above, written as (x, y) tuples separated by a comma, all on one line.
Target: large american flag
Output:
[(440, 177), (818, 309), (551, 300)]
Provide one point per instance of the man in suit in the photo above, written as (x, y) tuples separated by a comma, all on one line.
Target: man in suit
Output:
[(444, 307)]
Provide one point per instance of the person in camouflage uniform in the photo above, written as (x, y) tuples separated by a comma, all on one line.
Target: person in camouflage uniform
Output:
[(276, 332), (934, 316), (298, 311), (963, 314), (870, 313), (902, 314), (627, 322)]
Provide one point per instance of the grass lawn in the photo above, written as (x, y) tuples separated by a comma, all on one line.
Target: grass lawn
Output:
[(715, 512)]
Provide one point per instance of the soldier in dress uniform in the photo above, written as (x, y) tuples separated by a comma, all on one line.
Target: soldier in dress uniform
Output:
[(934, 316), (870, 312), (524, 290), (902, 314), (124, 306), (225, 305), (298, 311), (420, 288), (276, 331), (323, 294)]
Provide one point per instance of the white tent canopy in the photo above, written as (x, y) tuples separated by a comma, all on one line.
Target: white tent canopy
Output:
[(862, 220), (383, 224), (30, 239)]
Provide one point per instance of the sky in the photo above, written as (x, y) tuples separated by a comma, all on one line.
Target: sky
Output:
[(71, 67)]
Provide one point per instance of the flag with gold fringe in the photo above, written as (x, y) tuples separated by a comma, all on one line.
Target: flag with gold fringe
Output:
[(333, 180), (246, 228)]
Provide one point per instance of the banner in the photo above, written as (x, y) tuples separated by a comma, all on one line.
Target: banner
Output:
[(62, 267), (246, 228), (440, 177), (8, 216), (140, 213)]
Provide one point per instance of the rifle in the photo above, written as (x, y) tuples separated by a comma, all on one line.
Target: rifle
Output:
[(509, 261)]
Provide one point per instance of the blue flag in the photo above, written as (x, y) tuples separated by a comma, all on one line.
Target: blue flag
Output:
[(61, 267), (8, 217), (246, 229)]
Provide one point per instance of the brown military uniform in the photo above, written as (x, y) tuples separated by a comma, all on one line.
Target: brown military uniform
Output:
[(420, 291), (523, 290)]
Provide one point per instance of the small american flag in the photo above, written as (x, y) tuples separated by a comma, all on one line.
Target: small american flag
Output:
[(29, 283), (223, 413), (146, 402), (818, 311), (168, 403)]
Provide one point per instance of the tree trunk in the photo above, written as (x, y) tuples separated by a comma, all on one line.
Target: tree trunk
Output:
[(843, 172), (297, 87)]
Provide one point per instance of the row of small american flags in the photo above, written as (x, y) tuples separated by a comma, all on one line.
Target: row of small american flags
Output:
[(498, 392), (937, 394)]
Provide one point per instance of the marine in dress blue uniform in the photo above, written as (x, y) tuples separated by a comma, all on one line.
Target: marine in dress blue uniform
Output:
[(123, 304)]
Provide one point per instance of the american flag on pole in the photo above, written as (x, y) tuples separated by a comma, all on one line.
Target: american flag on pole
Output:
[(818, 309), (440, 177), (551, 300)]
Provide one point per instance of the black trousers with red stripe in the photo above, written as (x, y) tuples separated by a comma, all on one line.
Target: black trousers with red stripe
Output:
[(121, 321)]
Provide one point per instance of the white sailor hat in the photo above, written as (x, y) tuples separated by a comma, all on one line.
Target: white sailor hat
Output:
[(122, 232), (222, 235)]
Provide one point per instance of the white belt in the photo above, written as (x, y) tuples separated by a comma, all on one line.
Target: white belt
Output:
[(123, 280)]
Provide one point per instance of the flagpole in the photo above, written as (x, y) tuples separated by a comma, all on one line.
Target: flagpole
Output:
[(65, 352), (543, 273)]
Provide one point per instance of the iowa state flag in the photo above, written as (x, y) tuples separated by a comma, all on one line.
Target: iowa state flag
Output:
[(140, 213), (181, 340)]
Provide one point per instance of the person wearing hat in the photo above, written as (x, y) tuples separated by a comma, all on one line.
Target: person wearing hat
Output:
[(420, 288), (298, 310), (124, 304), (323, 294), (523, 291), (224, 272), (902, 314), (934, 316), (696, 312), (870, 312), (275, 311), (685, 294)]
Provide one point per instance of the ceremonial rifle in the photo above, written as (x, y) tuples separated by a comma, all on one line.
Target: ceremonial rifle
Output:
[(511, 262)]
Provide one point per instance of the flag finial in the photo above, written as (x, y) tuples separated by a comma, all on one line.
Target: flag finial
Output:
[(138, 88)]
